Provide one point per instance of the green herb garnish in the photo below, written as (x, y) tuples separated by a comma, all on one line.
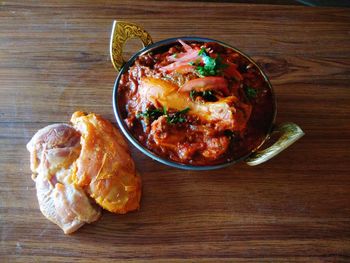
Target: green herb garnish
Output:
[(193, 94), (250, 92), (150, 114), (202, 51), (172, 118), (177, 117), (207, 95), (211, 66)]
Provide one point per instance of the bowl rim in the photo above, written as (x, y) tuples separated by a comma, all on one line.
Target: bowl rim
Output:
[(163, 160)]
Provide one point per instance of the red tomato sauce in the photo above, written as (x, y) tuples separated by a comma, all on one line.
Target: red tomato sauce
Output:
[(196, 103)]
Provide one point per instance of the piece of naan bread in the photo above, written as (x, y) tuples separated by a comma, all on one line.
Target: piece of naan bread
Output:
[(75, 167)]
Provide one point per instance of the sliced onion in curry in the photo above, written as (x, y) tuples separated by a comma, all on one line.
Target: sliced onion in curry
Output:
[(194, 104)]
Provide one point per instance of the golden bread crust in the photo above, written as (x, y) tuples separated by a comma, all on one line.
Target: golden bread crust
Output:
[(105, 168)]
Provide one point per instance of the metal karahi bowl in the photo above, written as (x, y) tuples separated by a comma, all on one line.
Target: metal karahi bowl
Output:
[(123, 31)]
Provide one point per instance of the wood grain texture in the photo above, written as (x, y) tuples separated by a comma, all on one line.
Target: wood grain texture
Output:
[(295, 208)]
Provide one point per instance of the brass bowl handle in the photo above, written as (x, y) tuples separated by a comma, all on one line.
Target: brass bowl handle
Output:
[(289, 134), (121, 32)]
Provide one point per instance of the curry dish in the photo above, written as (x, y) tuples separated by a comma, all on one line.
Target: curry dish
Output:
[(196, 103)]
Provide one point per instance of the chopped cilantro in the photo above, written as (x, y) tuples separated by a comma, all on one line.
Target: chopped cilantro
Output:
[(250, 92), (202, 51), (177, 117), (207, 95), (211, 66), (192, 94), (172, 118), (150, 114)]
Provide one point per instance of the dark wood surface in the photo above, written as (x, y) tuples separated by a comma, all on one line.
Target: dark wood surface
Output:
[(54, 60)]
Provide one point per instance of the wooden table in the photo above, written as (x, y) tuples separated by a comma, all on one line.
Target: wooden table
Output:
[(54, 60)]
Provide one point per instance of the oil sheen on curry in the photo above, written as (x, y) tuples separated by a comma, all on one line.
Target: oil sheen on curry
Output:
[(196, 103)]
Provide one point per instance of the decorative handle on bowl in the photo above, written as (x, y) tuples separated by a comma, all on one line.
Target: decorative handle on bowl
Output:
[(121, 32), (289, 134)]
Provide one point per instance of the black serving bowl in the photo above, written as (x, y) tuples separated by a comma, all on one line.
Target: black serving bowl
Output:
[(122, 31)]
